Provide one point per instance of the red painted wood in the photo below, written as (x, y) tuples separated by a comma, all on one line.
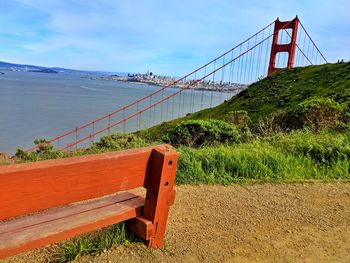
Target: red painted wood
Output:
[(142, 227), (57, 224), (37, 186), (31, 187), (64, 211), (160, 192)]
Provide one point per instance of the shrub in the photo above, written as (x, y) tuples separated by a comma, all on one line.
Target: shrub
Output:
[(347, 114), (278, 122), (341, 127), (239, 118), (119, 141), (319, 113), (45, 151), (43, 145), (197, 133), (113, 142)]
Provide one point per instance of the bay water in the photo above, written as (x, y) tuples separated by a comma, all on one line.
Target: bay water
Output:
[(40, 105)]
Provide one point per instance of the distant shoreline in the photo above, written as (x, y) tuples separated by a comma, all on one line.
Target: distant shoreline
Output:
[(159, 85), (47, 71)]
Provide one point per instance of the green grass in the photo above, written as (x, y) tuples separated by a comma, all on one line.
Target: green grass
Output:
[(279, 92), (95, 242), (286, 157), (298, 155)]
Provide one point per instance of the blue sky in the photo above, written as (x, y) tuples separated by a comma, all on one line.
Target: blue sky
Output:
[(167, 37)]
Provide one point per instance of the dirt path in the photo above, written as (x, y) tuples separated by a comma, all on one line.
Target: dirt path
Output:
[(257, 223)]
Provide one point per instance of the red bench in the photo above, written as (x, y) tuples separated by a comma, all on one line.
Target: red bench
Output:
[(59, 186)]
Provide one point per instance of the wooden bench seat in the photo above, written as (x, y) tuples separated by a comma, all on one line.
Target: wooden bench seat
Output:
[(60, 223), (57, 186)]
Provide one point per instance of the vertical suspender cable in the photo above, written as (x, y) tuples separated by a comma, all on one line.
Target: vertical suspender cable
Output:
[(203, 87), (213, 86)]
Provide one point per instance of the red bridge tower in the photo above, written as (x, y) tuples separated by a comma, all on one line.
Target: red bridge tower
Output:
[(289, 48)]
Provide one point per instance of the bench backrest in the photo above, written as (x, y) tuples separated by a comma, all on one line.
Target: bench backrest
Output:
[(30, 187)]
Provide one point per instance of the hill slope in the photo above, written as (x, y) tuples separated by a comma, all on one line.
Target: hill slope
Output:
[(281, 91)]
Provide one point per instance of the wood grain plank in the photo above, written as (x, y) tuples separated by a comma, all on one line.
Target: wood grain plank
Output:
[(31, 187), (56, 213), (160, 192), (43, 232)]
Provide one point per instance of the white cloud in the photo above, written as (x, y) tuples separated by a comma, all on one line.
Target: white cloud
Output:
[(134, 35)]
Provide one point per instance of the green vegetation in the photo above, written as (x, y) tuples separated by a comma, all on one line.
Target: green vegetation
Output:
[(291, 126), (198, 133), (281, 92), (320, 113), (119, 141), (95, 242), (293, 157), (239, 118), (45, 152), (113, 142)]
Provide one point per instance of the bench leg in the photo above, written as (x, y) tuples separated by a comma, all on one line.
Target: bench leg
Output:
[(159, 197)]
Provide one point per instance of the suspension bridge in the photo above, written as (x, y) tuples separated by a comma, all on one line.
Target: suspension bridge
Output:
[(276, 46)]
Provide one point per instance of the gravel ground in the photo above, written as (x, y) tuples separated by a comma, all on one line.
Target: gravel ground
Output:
[(306, 222)]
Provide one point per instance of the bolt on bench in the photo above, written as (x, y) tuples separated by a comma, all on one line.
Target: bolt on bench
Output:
[(59, 186)]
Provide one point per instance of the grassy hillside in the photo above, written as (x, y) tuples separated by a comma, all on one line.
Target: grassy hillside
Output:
[(281, 91)]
